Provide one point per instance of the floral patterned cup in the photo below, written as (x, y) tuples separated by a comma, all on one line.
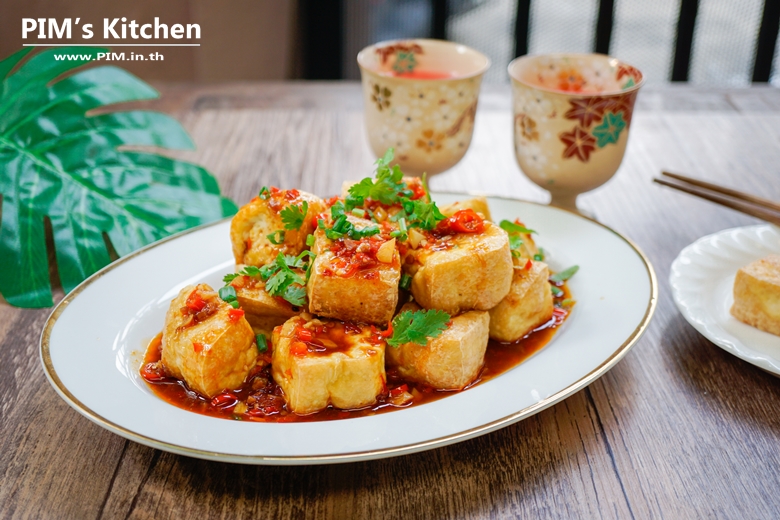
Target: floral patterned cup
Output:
[(421, 98), (571, 113)]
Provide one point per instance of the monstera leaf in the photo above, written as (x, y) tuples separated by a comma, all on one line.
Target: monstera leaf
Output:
[(61, 168)]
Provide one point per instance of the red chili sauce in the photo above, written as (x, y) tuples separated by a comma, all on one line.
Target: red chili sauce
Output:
[(263, 399)]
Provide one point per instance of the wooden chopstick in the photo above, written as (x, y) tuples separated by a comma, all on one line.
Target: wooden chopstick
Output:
[(726, 191), (741, 202)]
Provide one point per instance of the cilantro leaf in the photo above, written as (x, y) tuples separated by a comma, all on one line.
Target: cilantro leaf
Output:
[(295, 294), (565, 274), (230, 277), (515, 241), (387, 187), (418, 327), (423, 214), (511, 227), (293, 216)]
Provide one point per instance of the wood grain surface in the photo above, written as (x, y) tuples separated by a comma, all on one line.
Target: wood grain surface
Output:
[(678, 429)]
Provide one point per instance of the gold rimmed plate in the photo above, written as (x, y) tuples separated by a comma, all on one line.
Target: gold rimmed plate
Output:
[(102, 328)]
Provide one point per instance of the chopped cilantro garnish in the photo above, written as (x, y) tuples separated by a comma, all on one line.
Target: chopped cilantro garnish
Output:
[(422, 214), (418, 327), (511, 227), (515, 241), (248, 270), (262, 343), (264, 193), (281, 280), (565, 274), (386, 188), (293, 216), (276, 238)]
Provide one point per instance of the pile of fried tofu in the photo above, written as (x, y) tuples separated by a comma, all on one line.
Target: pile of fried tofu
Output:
[(488, 291)]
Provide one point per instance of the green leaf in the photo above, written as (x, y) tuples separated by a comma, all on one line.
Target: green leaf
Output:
[(293, 216), (565, 274), (59, 164), (511, 227), (418, 327)]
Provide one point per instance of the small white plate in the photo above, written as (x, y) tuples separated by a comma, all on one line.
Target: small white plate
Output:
[(702, 281), (93, 343)]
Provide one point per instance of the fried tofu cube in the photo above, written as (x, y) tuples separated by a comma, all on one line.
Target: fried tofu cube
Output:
[(528, 305), (757, 294), (263, 311), (327, 362), (450, 361), (463, 272), (251, 226), (478, 204), (354, 280), (206, 342)]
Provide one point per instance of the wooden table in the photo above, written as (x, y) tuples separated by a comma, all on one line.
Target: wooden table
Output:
[(677, 429)]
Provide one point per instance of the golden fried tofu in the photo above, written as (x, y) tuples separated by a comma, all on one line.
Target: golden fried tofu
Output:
[(354, 280), (263, 311), (528, 305), (462, 272), (251, 226), (206, 342), (327, 362), (757, 294), (478, 204), (450, 361)]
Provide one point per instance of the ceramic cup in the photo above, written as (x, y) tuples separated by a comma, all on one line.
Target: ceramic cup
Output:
[(571, 113), (420, 98)]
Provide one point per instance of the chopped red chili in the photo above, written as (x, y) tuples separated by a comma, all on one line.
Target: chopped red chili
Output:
[(234, 315), (463, 221)]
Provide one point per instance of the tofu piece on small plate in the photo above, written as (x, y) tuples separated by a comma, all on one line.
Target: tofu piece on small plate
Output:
[(528, 305), (460, 272), (328, 362), (354, 280), (251, 226), (450, 361), (206, 342), (757, 294)]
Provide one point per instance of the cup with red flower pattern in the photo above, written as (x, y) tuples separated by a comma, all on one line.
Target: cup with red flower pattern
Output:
[(572, 113), (420, 99)]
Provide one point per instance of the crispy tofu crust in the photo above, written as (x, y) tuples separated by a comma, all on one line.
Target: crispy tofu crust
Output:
[(528, 305), (757, 294), (348, 378), (251, 226), (228, 348), (475, 273), (263, 311), (369, 296), (449, 362), (478, 204)]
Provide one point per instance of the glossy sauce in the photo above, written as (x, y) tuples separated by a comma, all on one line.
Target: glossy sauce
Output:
[(267, 401)]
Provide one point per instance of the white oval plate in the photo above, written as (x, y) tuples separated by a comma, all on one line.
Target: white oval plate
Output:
[(702, 280), (93, 343)]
